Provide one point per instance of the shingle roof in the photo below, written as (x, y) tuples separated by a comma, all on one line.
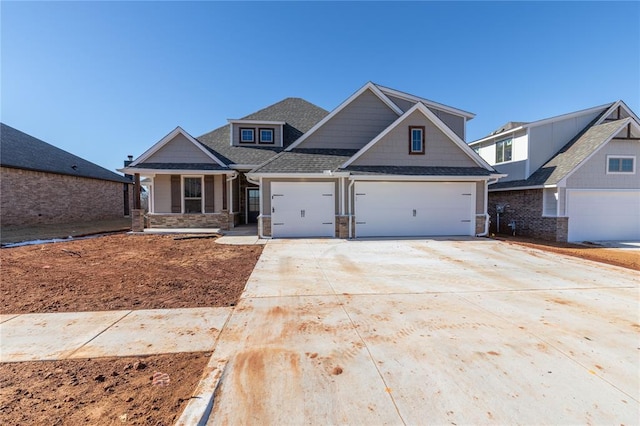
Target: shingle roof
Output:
[(417, 170), (299, 115), (22, 151), (569, 157), (508, 126), (303, 160)]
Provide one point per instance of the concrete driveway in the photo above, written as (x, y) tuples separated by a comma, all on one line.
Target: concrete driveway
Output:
[(468, 331)]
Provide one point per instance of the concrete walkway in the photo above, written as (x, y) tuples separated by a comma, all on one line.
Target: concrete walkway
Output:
[(36, 337)]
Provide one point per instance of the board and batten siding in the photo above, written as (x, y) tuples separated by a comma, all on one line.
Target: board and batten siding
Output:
[(354, 126), (179, 150), (393, 148), (593, 173), (235, 136)]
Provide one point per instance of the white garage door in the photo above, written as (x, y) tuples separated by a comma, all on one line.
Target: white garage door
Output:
[(302, 209), (603, 215), (399, 209)]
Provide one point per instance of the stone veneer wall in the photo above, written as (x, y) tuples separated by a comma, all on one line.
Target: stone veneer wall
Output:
[(525, 207), (266, 225), (480, 220), (31, 198), (222, 220)]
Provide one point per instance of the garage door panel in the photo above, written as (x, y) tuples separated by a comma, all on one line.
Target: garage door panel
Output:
[(414, 208), (603, 215), (303, 209)]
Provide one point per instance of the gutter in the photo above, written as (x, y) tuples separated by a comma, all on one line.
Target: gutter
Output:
[(486, 207)]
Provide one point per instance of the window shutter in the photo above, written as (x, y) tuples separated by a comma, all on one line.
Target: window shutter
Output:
[(208, 194), (176, 196)]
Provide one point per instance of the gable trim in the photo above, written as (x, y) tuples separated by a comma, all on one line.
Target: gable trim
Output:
[(343, 105), (435, 120), (178, 130), (623, 123), (618, 104), (408, 97)]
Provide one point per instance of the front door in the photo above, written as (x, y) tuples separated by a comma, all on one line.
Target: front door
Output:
[(253, 205)]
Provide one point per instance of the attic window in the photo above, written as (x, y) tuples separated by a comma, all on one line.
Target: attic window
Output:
[(621, 164), (266, 135), (504, 150), (247, 135), (416, 140)]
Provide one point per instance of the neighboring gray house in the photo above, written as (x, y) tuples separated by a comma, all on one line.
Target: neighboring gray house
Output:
[(572, 177), (383, 163), (42, 184)]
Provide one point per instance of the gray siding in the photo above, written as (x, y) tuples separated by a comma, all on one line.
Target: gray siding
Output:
[(515, 170), (454, 122), (393, 149), (277, 134), (593, 173), (179, 150), (354, 126), (162, 194), (404, 105), (546, 140)]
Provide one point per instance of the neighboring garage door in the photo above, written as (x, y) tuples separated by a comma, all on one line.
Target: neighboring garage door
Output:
[(302, 209), (399, 209), (603, 215)]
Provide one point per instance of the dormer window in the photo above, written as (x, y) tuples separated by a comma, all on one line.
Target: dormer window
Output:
[(247, 135), (266, 136), (504, 150), (416, 140)]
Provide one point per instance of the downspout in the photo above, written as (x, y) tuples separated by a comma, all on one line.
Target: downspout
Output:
[(486, 208), (350, 215), (230, 196), (260, 226)]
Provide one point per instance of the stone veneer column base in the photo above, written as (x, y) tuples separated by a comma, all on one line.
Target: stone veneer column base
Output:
[(342, 227), (265, 222), (480, 221), (137, 220)]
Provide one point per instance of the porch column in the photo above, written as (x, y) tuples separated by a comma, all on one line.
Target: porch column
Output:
[(224, 192), (136, 191)]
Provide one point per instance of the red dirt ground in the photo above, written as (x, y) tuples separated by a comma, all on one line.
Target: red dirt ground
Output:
[(111, 273)]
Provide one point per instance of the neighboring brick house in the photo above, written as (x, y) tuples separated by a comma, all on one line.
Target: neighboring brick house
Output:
[(383, 163), (572, 177), (42, 184)]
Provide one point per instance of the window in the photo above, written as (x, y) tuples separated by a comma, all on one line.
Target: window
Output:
[(192, 195), (247, 135), (503, 150), (621, 164), (416, 140), (266, 135)]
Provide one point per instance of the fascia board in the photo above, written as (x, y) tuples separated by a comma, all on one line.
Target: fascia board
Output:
[(343, 105), (515, 188), (240, 121), (148, 172), (167, 139), (298, 175), (613, 108), (566, 116), (623, 123), (243, 166), (497, 135), (409, 97), (420, 178)]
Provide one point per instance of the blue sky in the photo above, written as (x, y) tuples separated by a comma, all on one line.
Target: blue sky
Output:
[(107, 79)]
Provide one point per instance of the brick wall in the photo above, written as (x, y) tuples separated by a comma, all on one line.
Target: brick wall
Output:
[(177, 220), (525, 207), (31, 198)]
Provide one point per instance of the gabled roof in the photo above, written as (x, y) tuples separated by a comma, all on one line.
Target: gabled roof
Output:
[(518, 125), (22, 151), (298, 114), (369, 86), (167, 139), (439, 124), (572, 155), (418, 171), (429, 103)]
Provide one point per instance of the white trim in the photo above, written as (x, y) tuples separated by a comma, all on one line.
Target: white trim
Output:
[(519, 188), (281, 175), (256, 122), (243, 166), (182, 197), (149, 172), (178, 130), (422, 178), (614, 107), (368, 86), (633, 157), (436, 105), (246, 202), (439, 124)]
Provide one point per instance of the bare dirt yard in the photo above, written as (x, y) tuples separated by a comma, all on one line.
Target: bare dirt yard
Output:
[(627, 258), (113, 273)]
